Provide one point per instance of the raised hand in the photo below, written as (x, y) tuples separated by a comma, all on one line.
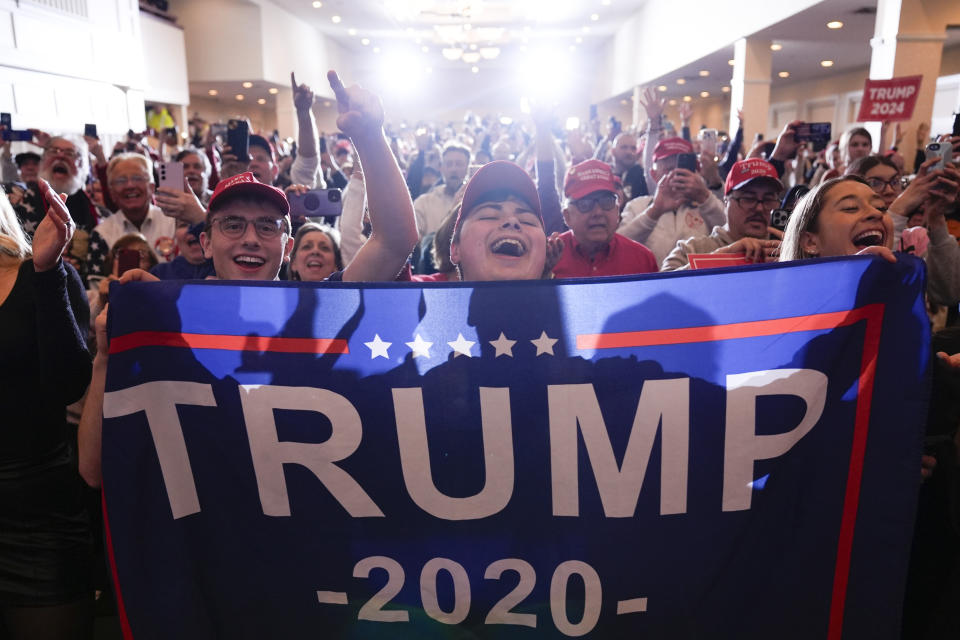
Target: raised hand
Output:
[(653, 104), (54, 232), (361, 111), (182, 204), (686, 112), (302, 94)]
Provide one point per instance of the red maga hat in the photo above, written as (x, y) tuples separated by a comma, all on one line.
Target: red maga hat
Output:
[(587, 177), (746, 171), (246, 183)]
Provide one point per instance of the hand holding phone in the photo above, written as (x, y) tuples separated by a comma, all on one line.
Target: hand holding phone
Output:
[(238, 138)]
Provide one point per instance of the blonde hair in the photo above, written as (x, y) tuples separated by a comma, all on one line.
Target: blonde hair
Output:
[(143, 160), (13, 241)]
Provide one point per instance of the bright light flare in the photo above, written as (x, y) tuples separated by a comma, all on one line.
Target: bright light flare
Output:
[(538, 77), (573, 123)]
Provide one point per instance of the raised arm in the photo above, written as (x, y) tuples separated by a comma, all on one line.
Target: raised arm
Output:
[(394, 229), (304, 169)]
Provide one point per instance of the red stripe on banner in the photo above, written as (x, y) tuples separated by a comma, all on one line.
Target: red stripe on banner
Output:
[(710, 333), (260, 344), (121, 610), (851, 500), (873, 315)]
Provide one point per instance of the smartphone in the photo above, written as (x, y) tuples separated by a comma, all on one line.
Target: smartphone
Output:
[(6, 121), (218, 130), (816, 132), (238, 137), (687, 161), (17, 136), (941, 150), (956, 124), (90, 130), (779, 218), (127, 259), (171, 175), (708, 141), (316, 203)]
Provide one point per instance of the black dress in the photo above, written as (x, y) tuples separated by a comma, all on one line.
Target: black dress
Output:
[(45, 541)]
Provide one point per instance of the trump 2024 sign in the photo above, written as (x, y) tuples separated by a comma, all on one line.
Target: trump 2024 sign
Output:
[(728, 454)]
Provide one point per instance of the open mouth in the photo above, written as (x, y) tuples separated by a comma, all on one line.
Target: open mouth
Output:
[(508, 247), (59, 170), (315, 264), (249, 262), (870, 238)]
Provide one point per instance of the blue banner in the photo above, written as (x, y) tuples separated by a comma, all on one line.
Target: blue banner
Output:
[(724, 454)]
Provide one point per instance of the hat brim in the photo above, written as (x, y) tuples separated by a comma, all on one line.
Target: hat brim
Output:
[(500, 175), (741, 185)]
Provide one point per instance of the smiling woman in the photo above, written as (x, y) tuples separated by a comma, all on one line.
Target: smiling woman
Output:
[(316, 253), (841, 217)]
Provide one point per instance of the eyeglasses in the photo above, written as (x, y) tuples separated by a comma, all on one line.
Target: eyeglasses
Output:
[(266, 228), (60, 151), (123, 180), (749, 202), (877, 184), (606, 201)]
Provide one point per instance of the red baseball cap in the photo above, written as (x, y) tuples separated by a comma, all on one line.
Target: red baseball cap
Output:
[(671, 147), (746, 171), (246, 183), (499, 175), (587, 177)]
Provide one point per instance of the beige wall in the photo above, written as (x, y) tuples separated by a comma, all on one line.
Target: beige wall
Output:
[(262, 118)]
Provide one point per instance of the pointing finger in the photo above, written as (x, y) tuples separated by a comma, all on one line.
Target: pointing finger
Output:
[(293, 82), (338, 91)]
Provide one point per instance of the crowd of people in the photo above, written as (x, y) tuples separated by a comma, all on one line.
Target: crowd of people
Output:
[(486, 199)]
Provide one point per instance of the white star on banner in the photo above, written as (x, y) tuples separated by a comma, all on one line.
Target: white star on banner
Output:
[(544, 344), (461, 346), (378, 348), (503, 346), (420, 347)]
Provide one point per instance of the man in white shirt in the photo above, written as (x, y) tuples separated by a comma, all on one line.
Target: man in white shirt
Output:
[(432, 207), (683, 206), (130, 179)]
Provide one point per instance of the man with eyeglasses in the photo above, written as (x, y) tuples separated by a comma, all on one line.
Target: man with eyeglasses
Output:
[(682, 206), (752, 192), (130, 180), (64, 165), (592, 247)]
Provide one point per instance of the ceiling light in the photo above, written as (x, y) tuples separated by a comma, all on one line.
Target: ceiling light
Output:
[(273, 91), (429, 69), (776, 46), (471, 57), (672, 102), (467, 27), (681, 81), (578, 39), (594, 16), (573, 48), (725, 89), (784, 74), (247, 85), (212, 92), (624, 101), (605, 3), (317, 4), (452, 53), (473, 47), (489, 53), (335, 19), (704, 94), (409, 29), (475, 69), (376, 49), (826, 63), (585, 29), (352, 32), (731, 62), (687, 98), (835, 24), (662, 87), (261, 101), (365, 41), (704, 73), (239, 96), (425, 49)]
